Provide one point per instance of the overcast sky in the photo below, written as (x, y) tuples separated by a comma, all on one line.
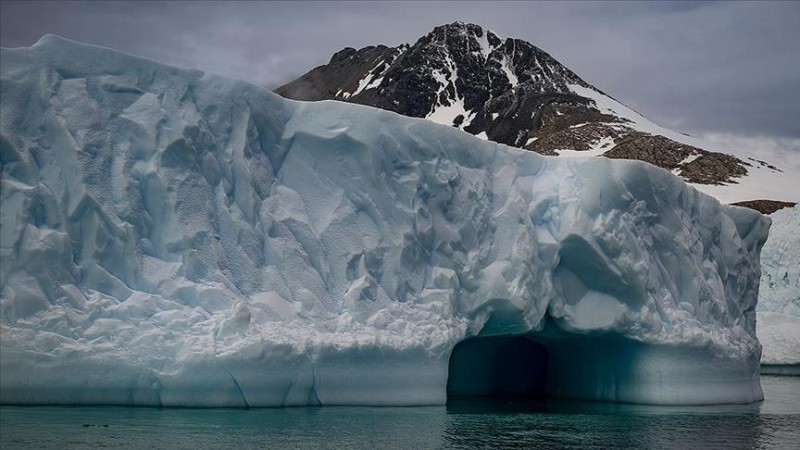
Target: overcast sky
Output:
[(727, 71)]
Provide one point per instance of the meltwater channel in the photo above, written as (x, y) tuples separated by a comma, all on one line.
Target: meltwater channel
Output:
[(773, 423)]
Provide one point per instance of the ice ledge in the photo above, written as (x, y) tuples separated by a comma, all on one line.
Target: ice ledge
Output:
[(602, 369)]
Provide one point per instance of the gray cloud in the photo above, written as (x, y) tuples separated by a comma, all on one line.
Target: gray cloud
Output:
[(706, 68)]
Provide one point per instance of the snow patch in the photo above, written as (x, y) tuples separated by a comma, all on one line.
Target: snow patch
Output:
[(447, 113), (689, 159), (599, 147), (371, 79), (508, 69), (484, 47)]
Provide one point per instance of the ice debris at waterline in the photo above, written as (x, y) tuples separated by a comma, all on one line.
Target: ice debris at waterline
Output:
[(171, 237)]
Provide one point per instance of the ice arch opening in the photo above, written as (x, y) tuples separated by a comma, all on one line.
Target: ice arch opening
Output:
[(497, 366), (598, 367)]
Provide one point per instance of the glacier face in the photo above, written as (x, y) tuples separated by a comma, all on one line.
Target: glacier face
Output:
[(778, 308), (171, 237)]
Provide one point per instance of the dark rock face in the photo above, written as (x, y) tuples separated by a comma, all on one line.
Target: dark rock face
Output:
[(656, 150), (765, 206), (343, 72), (507, 91), (582, 137), (713, 168), (695, 165), (453, 63)]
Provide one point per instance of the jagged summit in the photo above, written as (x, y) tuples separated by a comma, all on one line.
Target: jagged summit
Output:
[(508, 91), (458, 74)]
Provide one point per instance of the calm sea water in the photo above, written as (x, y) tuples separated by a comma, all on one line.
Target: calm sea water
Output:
[(774, 423)]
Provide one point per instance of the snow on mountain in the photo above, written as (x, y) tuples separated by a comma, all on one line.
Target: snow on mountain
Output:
[(450, 76), (762, 180), (512, 92), (171, 237)]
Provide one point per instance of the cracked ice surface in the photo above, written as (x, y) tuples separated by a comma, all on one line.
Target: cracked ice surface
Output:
[(171, 237)]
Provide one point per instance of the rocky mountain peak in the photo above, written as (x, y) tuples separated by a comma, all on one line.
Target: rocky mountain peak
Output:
[(508, 91)]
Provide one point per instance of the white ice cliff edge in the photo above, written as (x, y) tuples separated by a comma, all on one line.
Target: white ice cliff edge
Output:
[(171, 237)]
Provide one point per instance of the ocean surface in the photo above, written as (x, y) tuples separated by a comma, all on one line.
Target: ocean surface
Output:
[(773, 423)]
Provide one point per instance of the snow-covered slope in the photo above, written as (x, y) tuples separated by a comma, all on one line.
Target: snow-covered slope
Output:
[(779, 297), (762, 181), (171, 237)]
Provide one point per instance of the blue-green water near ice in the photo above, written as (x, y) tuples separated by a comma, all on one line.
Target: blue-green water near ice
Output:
[(774, 423)]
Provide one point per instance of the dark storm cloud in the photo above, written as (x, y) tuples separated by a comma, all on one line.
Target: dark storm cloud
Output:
[(726, 68)]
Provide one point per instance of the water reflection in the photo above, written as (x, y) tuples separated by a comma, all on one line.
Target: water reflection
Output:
[(549, 424), (557, 406), (460, 425)]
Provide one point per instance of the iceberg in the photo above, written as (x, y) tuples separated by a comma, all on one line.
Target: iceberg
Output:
[(175, 238), (778, 311)]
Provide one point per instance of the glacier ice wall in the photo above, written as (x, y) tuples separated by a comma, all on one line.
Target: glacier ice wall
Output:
[(778, 308), (171, 237)]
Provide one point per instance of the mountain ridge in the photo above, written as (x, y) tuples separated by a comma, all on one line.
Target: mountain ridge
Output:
[(512, 92)]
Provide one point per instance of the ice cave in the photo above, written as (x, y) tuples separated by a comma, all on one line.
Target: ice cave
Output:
[(497, 367)]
